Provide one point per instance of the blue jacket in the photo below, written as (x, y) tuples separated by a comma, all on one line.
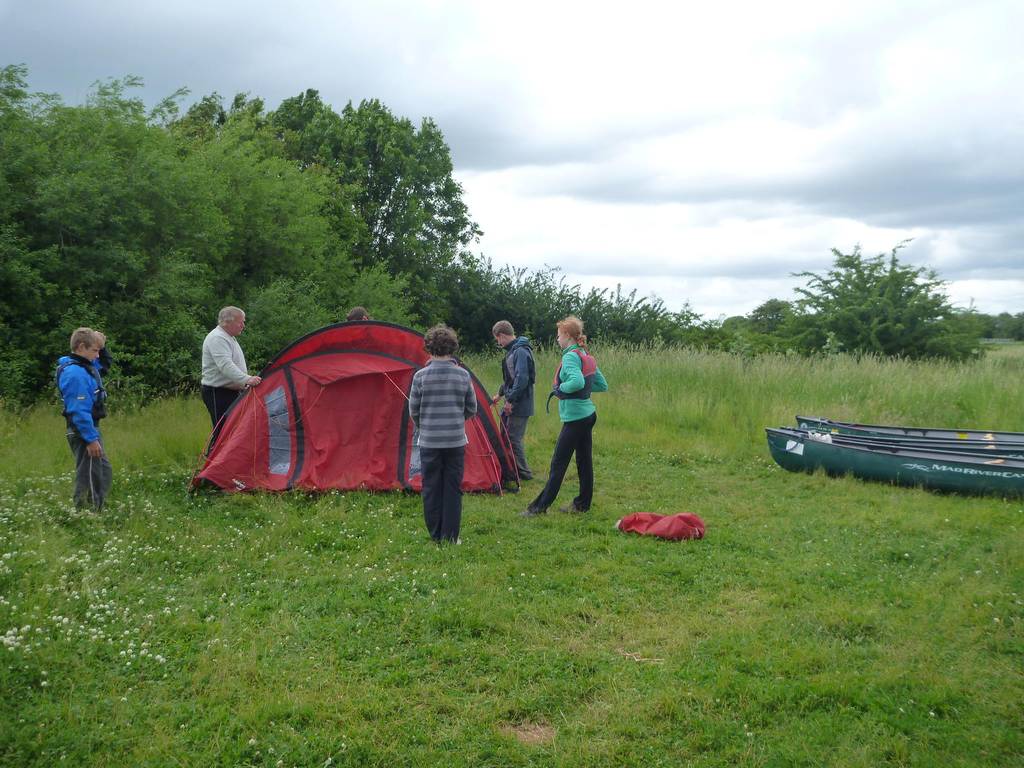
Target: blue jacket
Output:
[(518, 373), (83, 394)]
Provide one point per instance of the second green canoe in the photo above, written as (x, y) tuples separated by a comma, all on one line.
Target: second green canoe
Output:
[(847, 428)]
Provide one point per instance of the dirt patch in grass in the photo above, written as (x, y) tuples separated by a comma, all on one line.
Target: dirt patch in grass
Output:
[(530, 734)]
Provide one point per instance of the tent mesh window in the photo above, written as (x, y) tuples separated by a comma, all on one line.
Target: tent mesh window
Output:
[(280, 433)]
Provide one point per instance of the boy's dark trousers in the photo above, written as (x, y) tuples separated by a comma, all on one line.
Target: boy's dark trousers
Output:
[(442, 491), (515, 426), (93, 476), (576, 436)]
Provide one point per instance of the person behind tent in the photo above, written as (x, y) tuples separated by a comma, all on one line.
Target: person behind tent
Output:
[(80, 382), (577, 377), (518, 373), (224, 372), (441, 400), (357, 313)]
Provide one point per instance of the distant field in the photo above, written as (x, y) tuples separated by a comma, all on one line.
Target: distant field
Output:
[(1005, 349), (821, 622)]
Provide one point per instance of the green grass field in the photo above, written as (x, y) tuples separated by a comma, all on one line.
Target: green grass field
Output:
[(820, 622)]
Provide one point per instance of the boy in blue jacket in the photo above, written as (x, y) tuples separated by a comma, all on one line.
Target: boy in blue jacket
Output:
[(81, 388)]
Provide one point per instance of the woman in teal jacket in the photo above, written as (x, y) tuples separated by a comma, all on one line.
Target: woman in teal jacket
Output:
[(577, 377)]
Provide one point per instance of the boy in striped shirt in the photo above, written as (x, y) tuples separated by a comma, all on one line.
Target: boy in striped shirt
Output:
[(440, 401)]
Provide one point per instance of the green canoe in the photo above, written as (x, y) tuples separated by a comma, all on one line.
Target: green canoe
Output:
[(799, 451), (847, 428)]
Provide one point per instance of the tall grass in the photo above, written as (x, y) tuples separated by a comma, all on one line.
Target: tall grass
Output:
[(166, 435), (722, 401)]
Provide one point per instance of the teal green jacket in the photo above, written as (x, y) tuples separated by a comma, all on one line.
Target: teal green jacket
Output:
[(570, 379)]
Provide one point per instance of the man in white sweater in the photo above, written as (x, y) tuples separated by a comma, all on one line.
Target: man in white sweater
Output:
[(224, 371)]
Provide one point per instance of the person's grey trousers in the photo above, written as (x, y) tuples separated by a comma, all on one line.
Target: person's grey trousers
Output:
[(93, 477), (516, 428)]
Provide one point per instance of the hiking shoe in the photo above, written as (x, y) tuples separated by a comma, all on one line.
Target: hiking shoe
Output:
[(571, 508), (532, 511)]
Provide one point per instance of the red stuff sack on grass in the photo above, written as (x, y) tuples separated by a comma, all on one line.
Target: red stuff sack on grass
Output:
[(673, 527)]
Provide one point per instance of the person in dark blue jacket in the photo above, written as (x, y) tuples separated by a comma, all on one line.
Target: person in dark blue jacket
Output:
[(518, 372), (80, 383)]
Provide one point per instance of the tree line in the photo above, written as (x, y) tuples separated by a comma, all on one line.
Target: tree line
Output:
[(1005, 326), (144, 222)]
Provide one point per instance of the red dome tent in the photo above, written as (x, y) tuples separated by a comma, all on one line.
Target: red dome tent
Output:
[(332, 412)]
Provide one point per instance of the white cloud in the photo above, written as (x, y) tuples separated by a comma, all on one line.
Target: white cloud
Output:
[(720, 258), (1000, 295)]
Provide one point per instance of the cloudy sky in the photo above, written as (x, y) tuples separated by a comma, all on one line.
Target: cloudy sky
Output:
[(697, 151)]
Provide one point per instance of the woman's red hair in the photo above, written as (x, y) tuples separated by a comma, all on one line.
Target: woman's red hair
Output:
[(572, 326)]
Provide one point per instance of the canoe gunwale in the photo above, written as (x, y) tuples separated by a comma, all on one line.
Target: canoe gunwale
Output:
[(920, 433)]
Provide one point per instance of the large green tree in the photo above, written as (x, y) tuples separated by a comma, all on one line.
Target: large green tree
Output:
[(882, 306), (398, 181)]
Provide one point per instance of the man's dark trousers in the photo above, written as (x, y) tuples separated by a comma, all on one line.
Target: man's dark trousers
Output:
[(516, 428), (218, 400), (93, 476), (575, 437), (442, 491)]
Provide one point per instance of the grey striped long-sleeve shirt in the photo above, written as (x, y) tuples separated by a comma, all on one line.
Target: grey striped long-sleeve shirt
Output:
[(440, 401)]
